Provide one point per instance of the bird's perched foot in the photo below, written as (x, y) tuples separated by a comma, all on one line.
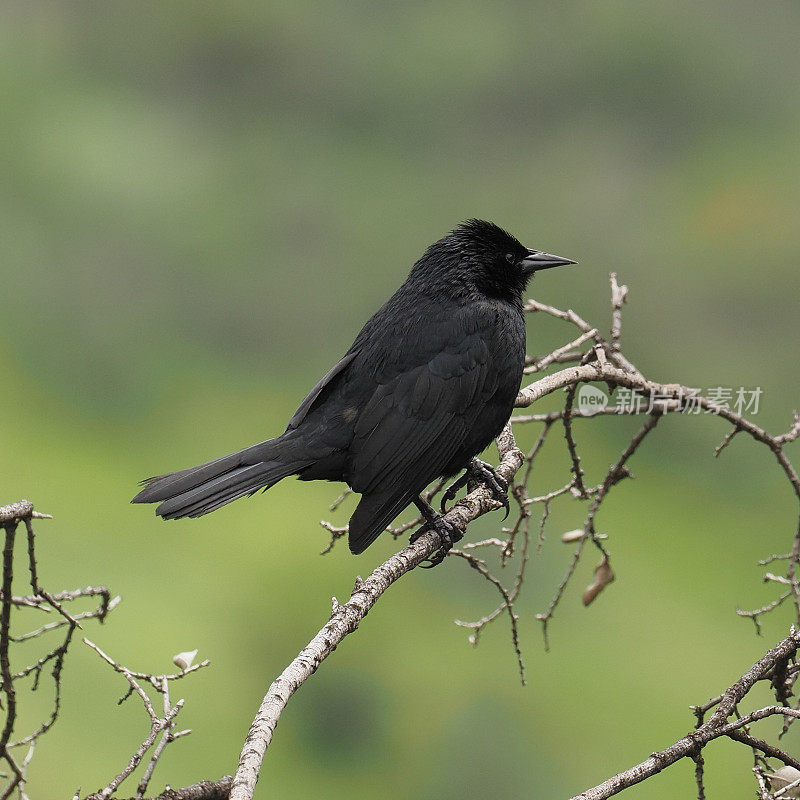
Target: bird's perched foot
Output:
[(478, 471), (449, 534)]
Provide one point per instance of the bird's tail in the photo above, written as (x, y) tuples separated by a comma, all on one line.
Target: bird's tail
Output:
[(199, 490)]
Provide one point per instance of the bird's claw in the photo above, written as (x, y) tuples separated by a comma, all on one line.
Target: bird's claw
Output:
[(478, 471), (449, 534), (451, 491), (487, 474)]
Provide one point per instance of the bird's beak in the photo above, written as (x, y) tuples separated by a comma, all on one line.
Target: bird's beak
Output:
[(538, 260)]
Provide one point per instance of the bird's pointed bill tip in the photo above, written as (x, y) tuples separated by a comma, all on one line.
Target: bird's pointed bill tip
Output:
[(538, 260)]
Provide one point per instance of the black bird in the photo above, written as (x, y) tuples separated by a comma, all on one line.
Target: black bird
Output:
[(427, 384)]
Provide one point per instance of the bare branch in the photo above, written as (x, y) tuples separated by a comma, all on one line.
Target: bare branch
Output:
[(162, 726), (605, 363), (560, 355), (619, 294), (40, 601), (575, 459), (716, 727), (345, 619)]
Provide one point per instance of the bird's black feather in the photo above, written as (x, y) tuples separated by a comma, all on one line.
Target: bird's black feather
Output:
[(428, 383)]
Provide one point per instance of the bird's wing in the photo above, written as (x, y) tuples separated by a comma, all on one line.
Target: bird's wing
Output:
[(413, 426), (316, 394)]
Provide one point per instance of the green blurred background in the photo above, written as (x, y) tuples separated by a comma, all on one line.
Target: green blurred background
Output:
[(201, 203)]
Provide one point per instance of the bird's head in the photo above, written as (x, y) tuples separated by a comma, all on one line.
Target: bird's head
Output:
[(493, 260)]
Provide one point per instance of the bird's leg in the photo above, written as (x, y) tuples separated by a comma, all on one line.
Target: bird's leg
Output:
[(448, 533), (478, 471)]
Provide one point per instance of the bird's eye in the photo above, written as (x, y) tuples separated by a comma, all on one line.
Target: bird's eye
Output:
[(510, 258)]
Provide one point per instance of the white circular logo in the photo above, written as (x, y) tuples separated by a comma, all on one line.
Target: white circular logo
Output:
[(591, 399)]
